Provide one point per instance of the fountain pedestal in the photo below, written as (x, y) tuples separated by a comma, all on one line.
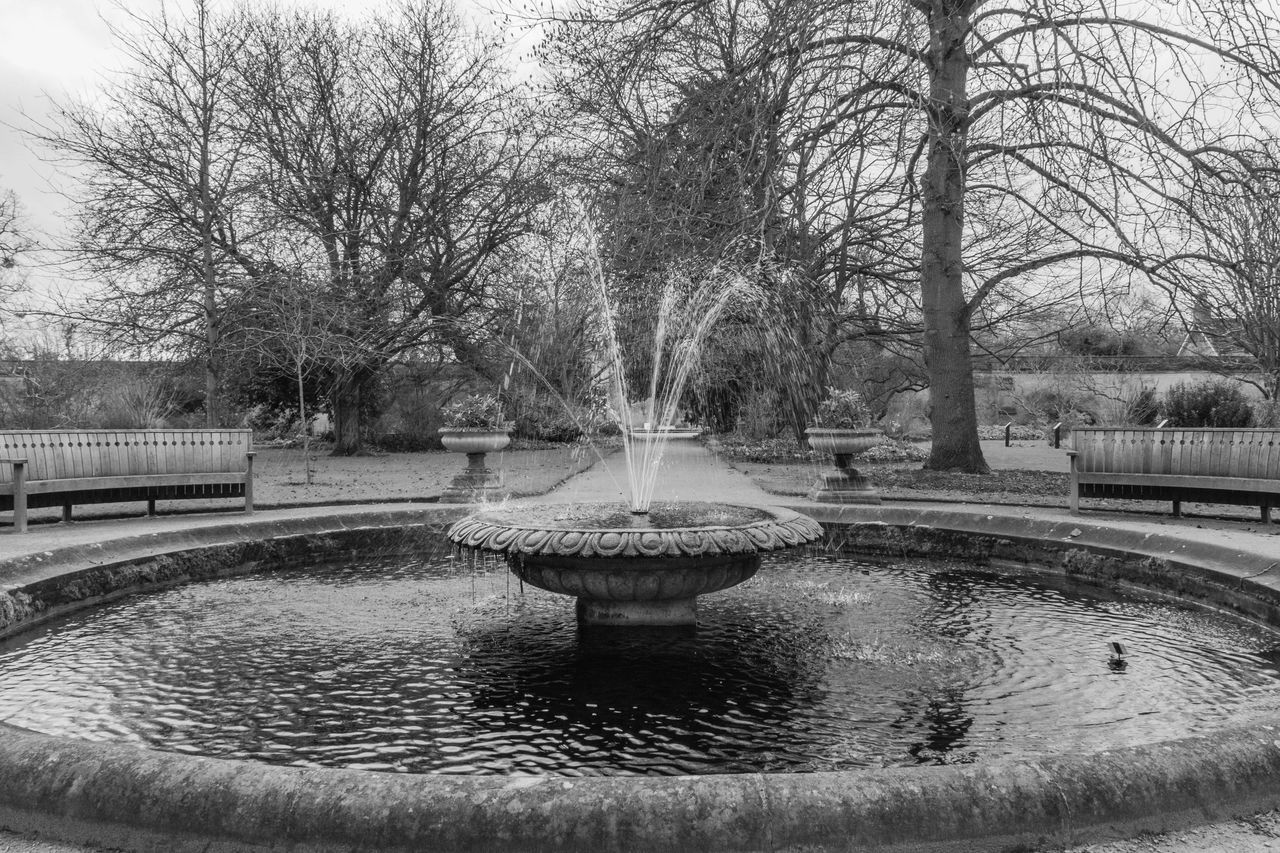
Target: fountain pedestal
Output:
[(635, 570), (476, 483), (638, 590), (845, 485)]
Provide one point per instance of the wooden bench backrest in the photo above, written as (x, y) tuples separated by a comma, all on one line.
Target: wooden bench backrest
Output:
[(65, 454), (1247, 453)]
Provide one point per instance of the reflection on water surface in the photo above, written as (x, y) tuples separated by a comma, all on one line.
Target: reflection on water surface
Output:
[(818, 663)]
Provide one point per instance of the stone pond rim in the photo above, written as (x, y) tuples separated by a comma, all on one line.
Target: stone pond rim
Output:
[(629, 569)]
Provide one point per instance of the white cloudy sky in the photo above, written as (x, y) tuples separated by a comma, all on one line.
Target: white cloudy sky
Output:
[(56, 47)]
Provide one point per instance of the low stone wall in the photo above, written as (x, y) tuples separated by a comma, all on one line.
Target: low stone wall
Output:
[(1243, 582), (120, 796), (43, 586)]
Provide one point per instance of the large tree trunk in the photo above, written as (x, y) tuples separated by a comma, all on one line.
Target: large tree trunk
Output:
[(348, 393), (952, 414)]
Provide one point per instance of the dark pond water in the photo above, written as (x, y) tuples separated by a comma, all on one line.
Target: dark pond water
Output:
[(818, 663)]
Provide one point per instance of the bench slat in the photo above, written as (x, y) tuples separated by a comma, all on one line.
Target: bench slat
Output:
[(1257, 457), (84, 484), (91, 466), (62, 454), (1211, 465), (1188, 481)]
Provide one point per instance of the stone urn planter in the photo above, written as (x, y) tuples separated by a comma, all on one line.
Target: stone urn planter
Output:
[(844, 485), (476, 483)]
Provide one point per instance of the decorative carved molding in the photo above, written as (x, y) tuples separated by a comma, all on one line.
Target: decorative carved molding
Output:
[(608, 531)]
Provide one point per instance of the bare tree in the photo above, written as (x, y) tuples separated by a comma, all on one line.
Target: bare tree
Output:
[(13, 242), (292, 326), (395, 160), (1067, 129), (555, 329), (386, 151), (1230, 290), (720, 143), (722, 130), (163, 225)]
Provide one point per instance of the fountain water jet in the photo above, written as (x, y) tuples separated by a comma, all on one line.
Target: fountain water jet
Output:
[(639, 563)]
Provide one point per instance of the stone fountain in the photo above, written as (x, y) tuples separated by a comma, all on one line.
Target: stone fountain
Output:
[(643, 563), (628, 568)]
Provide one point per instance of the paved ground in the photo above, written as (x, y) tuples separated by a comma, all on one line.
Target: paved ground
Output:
[(692, 474)]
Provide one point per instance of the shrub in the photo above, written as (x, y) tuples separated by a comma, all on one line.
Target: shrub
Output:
[(1065, 405), (272, 425), (1266, 413), (843, 410), (1212, 403), (1018, 432), (136, 404), (1142, 408), (474, 411), (547, 420)]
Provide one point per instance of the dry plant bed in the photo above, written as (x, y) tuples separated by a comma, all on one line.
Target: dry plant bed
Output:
[(908, 481)]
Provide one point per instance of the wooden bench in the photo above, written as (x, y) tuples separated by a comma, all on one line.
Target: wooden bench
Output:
[(1223, 466), (67, 467)]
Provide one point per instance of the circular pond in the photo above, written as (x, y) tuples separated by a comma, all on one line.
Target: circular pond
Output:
[(821, 662)]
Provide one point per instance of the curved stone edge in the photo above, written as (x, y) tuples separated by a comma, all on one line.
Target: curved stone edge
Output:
[(787, 529), (113, 795), (139, 799), (40, 586), (1241, 575)]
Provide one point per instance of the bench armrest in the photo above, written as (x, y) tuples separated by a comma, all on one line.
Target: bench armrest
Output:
[(19, 493), (248, 480), (1073, 453)]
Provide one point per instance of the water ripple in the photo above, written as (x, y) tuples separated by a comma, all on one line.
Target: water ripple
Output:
[(817, 663)]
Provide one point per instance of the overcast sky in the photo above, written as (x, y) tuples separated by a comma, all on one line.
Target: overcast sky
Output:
[(46, 46)]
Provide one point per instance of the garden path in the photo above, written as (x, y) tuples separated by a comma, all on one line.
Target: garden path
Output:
[(687, 472)]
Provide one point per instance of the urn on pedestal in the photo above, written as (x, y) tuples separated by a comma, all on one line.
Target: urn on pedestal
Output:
[(843, 429), (845, 485), (474, 426)]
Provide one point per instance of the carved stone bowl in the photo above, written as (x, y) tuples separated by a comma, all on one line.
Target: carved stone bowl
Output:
[(628, 569)]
